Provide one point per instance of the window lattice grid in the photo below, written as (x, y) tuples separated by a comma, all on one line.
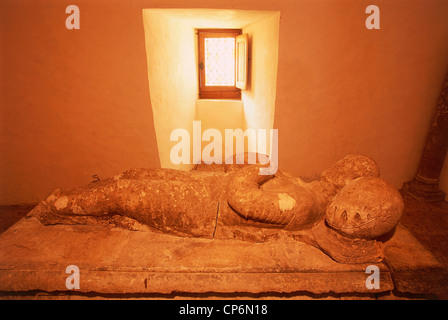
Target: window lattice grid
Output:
[(219, 61)]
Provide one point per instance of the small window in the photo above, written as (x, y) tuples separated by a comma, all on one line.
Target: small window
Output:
[(219, 75)]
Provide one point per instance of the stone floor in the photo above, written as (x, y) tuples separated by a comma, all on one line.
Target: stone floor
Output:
[(428, 222)]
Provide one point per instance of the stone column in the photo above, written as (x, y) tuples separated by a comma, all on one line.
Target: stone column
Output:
[(425, 186)]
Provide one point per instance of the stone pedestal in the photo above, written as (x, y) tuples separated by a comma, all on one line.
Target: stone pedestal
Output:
[(115, 261), (425, 186)]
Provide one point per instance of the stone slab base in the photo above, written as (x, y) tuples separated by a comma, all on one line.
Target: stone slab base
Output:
[(112, 261)]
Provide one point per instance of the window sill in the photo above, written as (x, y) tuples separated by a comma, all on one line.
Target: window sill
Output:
[(219, 104), (218, 100)]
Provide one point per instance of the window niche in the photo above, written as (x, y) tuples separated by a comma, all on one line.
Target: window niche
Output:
[(172, 45)]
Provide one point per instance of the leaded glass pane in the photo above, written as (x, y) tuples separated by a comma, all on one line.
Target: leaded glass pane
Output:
[(219, 61)]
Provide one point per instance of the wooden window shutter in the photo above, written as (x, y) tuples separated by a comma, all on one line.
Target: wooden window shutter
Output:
[(241, 61)]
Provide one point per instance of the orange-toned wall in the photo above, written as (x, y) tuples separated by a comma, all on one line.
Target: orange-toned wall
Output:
[(259, 96), (76, 102), (354, 90), (444, 178), (170, 48)]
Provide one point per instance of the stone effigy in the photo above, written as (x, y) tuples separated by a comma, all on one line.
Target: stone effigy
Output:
[(344, 213)]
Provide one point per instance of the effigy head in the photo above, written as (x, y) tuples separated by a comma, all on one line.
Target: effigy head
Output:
[(349, 168), (366, 208)]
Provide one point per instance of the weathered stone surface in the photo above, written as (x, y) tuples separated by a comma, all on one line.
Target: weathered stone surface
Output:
[(347, 250), (242, 160), (114, 260), (241, 204), (171, 201), (414, 268), (351, 167), (365, 208), (276, 200)]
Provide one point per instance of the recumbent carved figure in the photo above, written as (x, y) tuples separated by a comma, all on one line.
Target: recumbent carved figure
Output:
[(343, 214)]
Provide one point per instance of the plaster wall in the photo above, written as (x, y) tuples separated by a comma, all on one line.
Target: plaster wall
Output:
[(220, 115), (259, 98), (170, 47)]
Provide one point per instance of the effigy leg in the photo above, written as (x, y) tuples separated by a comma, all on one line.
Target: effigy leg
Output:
[(165, 200)]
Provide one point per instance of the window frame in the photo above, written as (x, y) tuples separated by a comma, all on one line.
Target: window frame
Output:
[(215, 92)]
